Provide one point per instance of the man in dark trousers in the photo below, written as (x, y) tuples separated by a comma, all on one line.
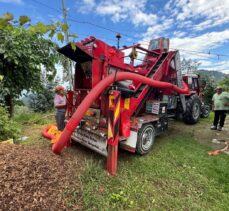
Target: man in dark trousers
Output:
[(220, 106)]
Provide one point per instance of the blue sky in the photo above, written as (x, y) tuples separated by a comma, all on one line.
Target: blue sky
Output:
[(193, 26)]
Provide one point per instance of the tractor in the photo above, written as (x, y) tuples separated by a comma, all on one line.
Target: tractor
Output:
[(134, 107)]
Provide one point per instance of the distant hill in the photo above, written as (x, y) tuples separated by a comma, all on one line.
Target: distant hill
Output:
[(215, 75)]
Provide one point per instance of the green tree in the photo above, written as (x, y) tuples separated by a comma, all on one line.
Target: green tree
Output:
[(24, 50), (208, 88), (225, 83), (8, 127), (42, 101), (22, 55)]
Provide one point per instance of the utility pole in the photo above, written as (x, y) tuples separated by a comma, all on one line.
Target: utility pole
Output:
[(69, 63), (65, 14)]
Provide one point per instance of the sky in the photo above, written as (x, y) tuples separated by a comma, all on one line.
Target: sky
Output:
[(198, 28)]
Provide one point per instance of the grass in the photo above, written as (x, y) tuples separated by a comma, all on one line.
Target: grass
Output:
[(31, 124), (177, 174), (33, 118)]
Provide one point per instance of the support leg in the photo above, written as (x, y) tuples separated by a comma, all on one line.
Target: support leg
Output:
[(112, 159), (113, 132)]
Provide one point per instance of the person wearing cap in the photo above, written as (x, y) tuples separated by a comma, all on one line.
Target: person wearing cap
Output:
[(60, 105), (220, 106)]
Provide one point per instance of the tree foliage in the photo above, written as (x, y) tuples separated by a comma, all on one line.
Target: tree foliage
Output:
[(24, 50), (209, 88), (225, 84), (42, 101), (8, 128), (22, 56)]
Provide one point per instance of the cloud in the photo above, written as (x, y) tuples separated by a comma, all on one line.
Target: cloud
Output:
[(133, 11), (179, 34), (202, 42), (86, 6), (208, 62), (143, 18), (12, 1), (191, 48), (198, 15), (213, 13), (157, 29), (186, 22)]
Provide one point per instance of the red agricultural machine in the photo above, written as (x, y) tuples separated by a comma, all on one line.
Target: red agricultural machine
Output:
[(120, 100)]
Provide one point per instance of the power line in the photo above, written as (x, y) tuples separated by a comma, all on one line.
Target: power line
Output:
[(199, 55), (46, 5), (199, 52), (99, 26), (85, 22), (72, 19)]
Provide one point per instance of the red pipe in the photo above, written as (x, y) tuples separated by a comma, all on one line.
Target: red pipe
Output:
[(94, 94)]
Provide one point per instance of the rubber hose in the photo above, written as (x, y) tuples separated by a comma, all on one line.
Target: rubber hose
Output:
[(95, 93)]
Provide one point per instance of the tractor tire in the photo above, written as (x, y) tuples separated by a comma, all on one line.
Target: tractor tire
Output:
[(146, 137), (193, 110)]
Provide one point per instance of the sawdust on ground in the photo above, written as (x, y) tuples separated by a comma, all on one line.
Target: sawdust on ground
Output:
[(35, 179)]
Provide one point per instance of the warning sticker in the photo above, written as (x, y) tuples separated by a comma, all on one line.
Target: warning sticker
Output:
[(127, 103)]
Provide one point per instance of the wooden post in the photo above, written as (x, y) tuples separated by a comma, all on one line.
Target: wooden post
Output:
[(113, 131)]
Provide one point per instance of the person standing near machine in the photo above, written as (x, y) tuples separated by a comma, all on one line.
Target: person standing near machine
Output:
[(220, 106), (60, 105)]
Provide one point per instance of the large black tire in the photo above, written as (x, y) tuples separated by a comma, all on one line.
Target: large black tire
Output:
[(146, 137), (193, 110)]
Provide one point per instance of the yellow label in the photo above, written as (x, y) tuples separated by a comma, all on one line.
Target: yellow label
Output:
[(127, 103), (110, 134), (111, 101)]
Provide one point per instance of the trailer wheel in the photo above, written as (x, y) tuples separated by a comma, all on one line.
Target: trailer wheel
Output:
[(193, 110), (146, 137)]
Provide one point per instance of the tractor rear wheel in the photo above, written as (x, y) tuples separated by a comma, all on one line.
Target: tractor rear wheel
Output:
[(193, 110), (146, 137)]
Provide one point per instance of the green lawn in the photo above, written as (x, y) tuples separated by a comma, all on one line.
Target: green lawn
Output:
[(178, 174)]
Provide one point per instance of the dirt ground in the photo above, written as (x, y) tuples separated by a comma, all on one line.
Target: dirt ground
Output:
[(202, 133), (36, 179), (33, 178)]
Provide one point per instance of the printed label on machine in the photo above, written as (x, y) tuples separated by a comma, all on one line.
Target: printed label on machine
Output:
[(90, 140), (127, 103), (156, 108)]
